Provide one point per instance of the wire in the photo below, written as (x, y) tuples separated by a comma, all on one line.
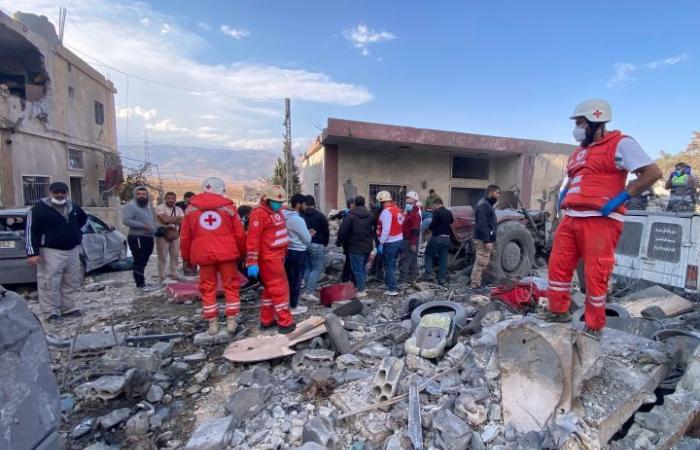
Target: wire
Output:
[(170, 85)]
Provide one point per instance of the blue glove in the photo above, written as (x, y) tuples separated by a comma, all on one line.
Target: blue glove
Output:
[(253, 271), (561, 196), (380, 249), (614, 203)]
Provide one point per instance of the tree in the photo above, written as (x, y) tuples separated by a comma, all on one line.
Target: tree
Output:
[(690, 156), (279, 176), (134, 179)]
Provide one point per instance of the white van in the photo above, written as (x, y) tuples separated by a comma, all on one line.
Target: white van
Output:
[(660, 248)]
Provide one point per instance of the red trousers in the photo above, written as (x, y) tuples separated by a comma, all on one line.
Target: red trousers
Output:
[(274, 303), (594, 239), (207, 288)]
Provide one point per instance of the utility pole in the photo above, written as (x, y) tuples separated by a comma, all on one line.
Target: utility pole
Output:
[(288, 157)]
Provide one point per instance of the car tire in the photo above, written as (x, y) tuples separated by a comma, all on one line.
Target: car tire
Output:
[(611, 310), (513, 254), (459, 317)]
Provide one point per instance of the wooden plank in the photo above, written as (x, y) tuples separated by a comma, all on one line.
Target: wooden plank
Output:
[(670, 303), (415, 427)]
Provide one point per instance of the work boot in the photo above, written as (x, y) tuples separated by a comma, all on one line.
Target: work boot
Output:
[(549, 316), (231, 324), (287, 329), (213, 327), (591, 333), (264, 327)]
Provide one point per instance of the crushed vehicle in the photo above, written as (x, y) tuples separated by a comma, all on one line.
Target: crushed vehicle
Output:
[(102, 244), (659, 248)]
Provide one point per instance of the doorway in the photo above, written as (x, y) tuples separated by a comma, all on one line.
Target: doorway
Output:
[(76, 190), (466, 196)]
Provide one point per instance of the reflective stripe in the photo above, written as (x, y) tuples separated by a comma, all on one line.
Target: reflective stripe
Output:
[(280, 232), (576, 179), (280, 241), (597, 301), (574, 190), (559, 289), (560, 283)]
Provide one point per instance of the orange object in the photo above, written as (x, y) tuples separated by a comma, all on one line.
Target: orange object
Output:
[(208, 279), (337, 292)]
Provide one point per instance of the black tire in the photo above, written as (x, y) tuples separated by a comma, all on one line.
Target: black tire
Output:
[(514, 253), (459, 317)]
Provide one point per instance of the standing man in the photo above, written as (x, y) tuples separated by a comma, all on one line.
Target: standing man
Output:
[(213, 238), (168, 218), (408, 265), (484, 232), (266, 248), (593, 205), (299, 242), (316, 258), (439, 244), (138, 216), (347, 274), (53, 240), (683, 186), (357, 233), (185, 203), (390, 233), (428, 210)]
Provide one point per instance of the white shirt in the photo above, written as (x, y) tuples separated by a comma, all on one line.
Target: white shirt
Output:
[(629, 156)]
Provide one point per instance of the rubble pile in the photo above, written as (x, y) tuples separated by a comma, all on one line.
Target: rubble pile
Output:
[(385, 373)]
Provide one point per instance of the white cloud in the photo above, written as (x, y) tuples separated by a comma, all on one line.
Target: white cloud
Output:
[(265, 143), (174, 116), (362, 36), (165, 28), (136, 111), (625, 72), (145, 21), (204, 26), (236, 33)]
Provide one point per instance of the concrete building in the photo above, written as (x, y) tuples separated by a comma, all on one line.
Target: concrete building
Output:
[(358, 158), (57, 118)]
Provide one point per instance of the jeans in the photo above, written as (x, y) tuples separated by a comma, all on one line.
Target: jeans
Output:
[(294, 265), (141, 248), (440, 246), (408, 264), (315, 262), (391, 253), (358, 262), (348, 274)]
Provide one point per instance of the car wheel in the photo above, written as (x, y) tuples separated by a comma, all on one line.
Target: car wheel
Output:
[(514, 252)]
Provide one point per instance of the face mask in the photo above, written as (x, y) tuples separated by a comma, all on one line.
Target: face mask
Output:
[(409, 207), (579, 133), (56, 201), (142, 202), (275, 206)]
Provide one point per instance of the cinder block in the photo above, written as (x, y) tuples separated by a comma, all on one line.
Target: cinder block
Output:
[(386, 380)]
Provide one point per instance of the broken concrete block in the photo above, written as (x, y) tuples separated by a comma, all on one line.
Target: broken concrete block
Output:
[(104, 388), (138, 424), (122, 358), (454, 432), (247, 402), (204, 339), (670, 303), (98, 341), (320, 430), (113, 418), (420, 365), (211, 434), (255, 377), (155, 393), (195, 357), (397, 441), (387, 378), (163, 348), (375, 350)]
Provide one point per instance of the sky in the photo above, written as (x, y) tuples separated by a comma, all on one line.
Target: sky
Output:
[(509, 68)]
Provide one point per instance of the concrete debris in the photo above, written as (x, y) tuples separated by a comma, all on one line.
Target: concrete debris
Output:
[(255, 377), (454, 432), (246, 402), (375, 350), (138, 424), (98, 341), (320, 430), (204, 339), (122, 358), (211, 434), (114, 418), (387, 378), (163, 349), (104, 388)]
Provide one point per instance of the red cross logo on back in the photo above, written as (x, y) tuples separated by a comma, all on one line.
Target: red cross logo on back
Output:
[(210, 220), (597, 114)]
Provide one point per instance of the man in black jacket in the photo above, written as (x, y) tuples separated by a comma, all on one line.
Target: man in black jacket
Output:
[(484, 232), (316, 256), (439, 243), (357, 232), (53, 240)]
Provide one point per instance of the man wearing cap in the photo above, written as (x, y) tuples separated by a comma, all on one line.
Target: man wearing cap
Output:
[(266, 248), (592, 202), (408, 264), (53, 240), (390, 234)]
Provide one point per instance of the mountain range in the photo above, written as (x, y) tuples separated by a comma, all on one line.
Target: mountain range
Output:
[(195, 163)]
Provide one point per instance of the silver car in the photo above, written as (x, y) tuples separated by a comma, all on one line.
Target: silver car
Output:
[(102, 244)]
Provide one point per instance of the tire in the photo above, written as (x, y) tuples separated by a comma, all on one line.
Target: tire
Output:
[(459, 318), (611, 310), (514, 253)]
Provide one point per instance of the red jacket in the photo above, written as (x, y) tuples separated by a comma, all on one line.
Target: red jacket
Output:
[(267, 234), (411, 226), (211, 231), (593, 176), (397, 217)]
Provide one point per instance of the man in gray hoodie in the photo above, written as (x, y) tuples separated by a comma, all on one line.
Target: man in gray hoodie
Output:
[(138, 216), (299, 242)]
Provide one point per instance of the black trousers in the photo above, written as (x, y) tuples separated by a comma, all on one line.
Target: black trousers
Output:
[(347, 268), (294, 265), (141, 248)]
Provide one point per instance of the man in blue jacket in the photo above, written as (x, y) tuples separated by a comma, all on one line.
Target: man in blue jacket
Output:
[(484, 232), (53, 240)]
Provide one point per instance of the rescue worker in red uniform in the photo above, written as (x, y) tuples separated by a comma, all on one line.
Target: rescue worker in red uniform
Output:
[(390, 235), (592, 202), (212, 237), (266, 249)]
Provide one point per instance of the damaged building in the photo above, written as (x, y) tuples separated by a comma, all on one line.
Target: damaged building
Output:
[(57, 118), (359, 158)]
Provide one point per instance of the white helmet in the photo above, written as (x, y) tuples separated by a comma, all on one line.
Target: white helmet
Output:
[(383, 196), (594, 110), (275, 193), (214, 185), (413, 195)]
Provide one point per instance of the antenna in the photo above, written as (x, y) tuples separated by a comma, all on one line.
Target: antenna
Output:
[(61, 22), (289, 158)]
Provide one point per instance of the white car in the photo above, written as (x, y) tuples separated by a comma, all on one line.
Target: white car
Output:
[(101, 245)]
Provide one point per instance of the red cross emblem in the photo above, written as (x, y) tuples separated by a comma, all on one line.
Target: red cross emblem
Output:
[(210, 220), (208, 187), (597, 114)]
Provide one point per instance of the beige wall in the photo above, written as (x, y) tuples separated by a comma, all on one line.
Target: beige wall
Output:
[(312, 171), (365, 166), (549, 171)]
